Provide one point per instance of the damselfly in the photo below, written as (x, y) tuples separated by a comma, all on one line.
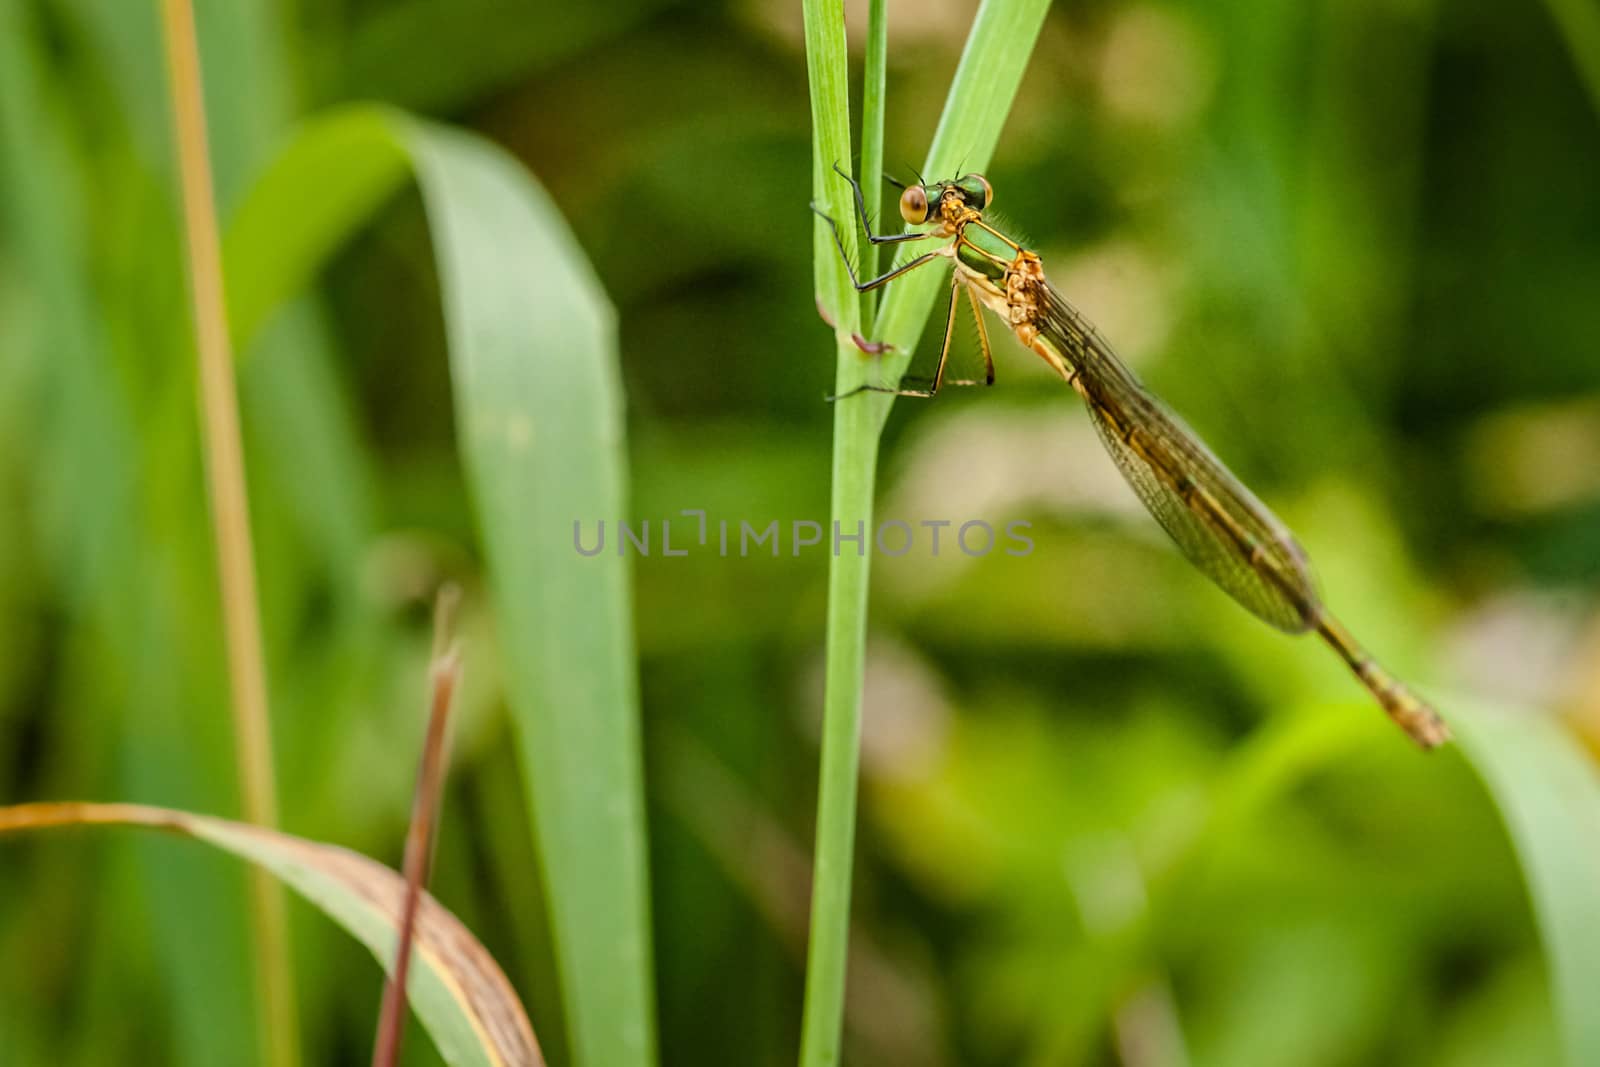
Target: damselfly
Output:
[(1217, 523)]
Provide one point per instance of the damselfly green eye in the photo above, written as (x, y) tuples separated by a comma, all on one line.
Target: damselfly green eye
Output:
[(914, 204), (975, 187)]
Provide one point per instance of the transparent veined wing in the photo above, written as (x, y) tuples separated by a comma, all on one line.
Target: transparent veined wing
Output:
[(1217, 523)]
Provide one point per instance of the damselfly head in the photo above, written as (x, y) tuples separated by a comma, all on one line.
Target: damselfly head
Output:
[(924, 203)]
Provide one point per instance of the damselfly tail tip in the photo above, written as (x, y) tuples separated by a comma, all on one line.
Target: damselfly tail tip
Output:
[(1410, 712), (1413, 715)]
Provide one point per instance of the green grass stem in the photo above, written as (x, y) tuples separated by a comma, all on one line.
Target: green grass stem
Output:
[(985, 84)]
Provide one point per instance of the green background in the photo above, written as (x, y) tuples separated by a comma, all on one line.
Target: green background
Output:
[(1106, 816)]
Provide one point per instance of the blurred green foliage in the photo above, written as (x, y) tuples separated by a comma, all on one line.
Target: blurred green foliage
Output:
[(1106, 816)]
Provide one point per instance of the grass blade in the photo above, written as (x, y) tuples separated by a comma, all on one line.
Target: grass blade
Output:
[(444, 679), (230, 516), (1548, 793), (855, 460), (538, 405), (325, 185), (458, 991), (985, 83), (539, 413), (828, 70), (153, 708), (874, 90)]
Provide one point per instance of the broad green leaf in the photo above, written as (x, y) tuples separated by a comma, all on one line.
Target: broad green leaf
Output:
[(456, 988), (1548, 793), (324, 186), (532, 344), (538, 407)]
